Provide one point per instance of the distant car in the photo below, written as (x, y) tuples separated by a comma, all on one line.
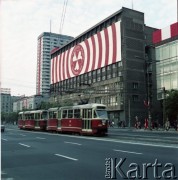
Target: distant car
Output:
[(2, 128)]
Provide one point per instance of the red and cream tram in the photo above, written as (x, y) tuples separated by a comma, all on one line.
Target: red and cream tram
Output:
[(84, 119)]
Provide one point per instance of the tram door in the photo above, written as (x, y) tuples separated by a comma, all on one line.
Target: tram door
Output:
[(87, 117), (37, 117), (58, 116)]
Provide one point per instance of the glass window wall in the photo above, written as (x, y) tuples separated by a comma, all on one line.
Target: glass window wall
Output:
[(167, 67)]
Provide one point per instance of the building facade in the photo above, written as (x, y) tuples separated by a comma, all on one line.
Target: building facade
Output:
[(46, 42), (6, 105), (108, 64), (29, 103), (166, 48)]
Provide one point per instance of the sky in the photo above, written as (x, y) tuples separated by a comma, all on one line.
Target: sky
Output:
[(22, 21)]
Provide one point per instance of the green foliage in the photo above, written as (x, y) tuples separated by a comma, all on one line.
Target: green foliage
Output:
[(9, 117), (47, 105), (172, 104)]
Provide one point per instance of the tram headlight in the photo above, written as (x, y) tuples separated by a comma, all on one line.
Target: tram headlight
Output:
[(103, 122)]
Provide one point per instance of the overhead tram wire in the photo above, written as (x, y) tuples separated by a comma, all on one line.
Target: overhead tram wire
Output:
[(62, 17), (62, 23)]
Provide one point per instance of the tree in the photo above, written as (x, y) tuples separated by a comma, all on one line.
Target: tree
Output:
[(171, 104), (9, 117)]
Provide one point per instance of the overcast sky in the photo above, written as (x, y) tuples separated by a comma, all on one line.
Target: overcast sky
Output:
[(22, 21)]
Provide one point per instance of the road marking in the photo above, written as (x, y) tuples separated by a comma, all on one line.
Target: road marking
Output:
[(66, 157), (24, 145), (4, 139), (126, 151), (22, 134), (72, 143), (40, 138)]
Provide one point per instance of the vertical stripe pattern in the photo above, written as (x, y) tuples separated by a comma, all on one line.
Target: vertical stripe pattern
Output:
[(97, 51), (165, 33)]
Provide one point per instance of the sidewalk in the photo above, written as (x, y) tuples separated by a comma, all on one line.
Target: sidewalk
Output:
[(171, 130)]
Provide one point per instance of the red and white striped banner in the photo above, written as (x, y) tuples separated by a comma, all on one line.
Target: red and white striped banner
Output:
[(165, 33), (99, 50)]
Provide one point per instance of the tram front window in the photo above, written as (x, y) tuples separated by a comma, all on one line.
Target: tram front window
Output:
[(44, 115), (102, 114)]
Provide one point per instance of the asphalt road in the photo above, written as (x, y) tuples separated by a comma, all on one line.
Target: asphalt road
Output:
[(27, 155)]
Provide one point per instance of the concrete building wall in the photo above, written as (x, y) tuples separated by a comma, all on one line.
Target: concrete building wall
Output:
[(6, 106), (121, 85)]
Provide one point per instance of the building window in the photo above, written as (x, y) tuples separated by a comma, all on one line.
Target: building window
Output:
[(109, 76), (135, 98), (135, 85), (114, 75), (103, 69), (98, 79), (103, 77)]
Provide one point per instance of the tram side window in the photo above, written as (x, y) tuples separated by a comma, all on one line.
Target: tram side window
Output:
[(43, 115), (84, 113), (76, 113), (89, 113), (70, 113), (37, 116), (52, 114), (64, 114), (31, 116), (27, 116)]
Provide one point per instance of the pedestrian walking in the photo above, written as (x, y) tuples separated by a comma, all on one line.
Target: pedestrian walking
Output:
[(146, 124), (176, 125), (167, 125), (111, 123)]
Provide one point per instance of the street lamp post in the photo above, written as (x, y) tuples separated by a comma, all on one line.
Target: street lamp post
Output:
[(164, 107), (129, 114)]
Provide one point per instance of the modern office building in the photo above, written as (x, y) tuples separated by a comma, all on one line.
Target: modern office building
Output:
[(110, 64), (166, 49), (46, 42)]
